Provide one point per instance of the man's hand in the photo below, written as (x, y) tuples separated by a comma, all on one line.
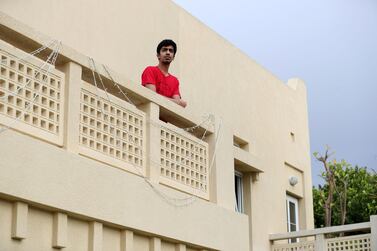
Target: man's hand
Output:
[(151, 87), (177, 99), (182, 103)]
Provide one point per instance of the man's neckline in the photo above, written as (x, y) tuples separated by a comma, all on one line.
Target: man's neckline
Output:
[(168, 74)]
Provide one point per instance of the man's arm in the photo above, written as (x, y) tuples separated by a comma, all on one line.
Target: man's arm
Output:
[(151, 87), (176, 98)]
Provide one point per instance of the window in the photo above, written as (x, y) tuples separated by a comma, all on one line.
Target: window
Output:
[(240, 143), (292, 216), (238, 188)]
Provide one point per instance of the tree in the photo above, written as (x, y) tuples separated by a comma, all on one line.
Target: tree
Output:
[(342, 179), (330, 182), (318, 206), (362, 194), (354, 196)]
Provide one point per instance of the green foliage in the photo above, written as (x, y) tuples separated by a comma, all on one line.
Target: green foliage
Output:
[(362, 194), (357, 185), (318, 203)]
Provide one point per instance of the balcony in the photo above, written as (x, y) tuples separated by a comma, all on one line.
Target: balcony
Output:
[(356, 237), (81, 107)]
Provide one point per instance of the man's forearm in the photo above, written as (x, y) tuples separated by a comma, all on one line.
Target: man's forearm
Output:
[(178, 101), (151, 87)]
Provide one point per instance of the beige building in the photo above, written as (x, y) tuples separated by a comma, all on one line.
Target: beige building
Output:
[(93, 161)]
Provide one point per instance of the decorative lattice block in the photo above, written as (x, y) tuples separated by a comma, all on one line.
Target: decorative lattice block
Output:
[(354, 243), (30, 97), (299, 246), (184, 161), (112, 131)]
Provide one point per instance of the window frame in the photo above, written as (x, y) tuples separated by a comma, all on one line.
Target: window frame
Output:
[(293, 200), (238, 192)]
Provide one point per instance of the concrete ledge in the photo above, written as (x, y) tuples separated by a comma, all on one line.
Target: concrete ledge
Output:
[(246, 161)]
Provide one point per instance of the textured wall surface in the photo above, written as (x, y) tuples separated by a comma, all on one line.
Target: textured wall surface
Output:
[(216, 78)]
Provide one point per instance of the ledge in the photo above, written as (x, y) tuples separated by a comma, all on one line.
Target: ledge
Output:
[(246, 162), (326, 230)]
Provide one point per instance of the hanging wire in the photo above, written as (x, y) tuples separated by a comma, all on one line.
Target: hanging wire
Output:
[(178, 202), (124, 94), (35, 52), (49, 62), (117, 86)]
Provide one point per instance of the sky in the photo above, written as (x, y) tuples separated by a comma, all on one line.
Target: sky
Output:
[(330, 44)]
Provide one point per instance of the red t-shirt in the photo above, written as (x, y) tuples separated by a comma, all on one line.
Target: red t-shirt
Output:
[(167, 86)]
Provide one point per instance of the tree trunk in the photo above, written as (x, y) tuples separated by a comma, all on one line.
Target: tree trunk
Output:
[(330, 182), (343, 206), (328, 205)]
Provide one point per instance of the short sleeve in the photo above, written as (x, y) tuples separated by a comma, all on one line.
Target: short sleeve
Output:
[(148, 77), (176, 89)]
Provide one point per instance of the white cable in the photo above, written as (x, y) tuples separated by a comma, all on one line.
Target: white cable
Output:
[(194, 196), (171, 200), (19, 88), (50, 43), (189, 129), (53, 57), (50, 62), (116, 85)]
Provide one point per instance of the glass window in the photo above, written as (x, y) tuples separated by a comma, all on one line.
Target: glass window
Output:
[(292, 215), (238, 188)]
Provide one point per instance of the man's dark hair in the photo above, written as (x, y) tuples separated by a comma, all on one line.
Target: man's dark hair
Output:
[(166, 42)]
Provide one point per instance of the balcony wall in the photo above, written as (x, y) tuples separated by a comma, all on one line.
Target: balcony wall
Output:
[(75, 153), (110, 129)]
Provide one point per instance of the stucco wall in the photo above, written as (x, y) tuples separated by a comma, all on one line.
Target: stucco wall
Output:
[(215, 78), (40, 233)]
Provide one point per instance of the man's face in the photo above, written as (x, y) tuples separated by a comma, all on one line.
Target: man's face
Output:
[(166, 54)]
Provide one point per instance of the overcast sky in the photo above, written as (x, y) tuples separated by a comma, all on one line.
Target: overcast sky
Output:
[(330, 44)]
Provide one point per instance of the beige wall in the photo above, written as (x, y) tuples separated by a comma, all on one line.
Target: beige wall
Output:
[(216, 78), (86, 187), (40, 233)]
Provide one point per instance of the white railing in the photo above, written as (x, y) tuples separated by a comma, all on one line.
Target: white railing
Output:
[(357, 242), (299, 246)]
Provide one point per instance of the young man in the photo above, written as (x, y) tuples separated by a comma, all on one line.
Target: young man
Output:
[(158, 79)]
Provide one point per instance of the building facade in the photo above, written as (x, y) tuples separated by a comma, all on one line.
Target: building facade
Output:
[(91, 160)]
